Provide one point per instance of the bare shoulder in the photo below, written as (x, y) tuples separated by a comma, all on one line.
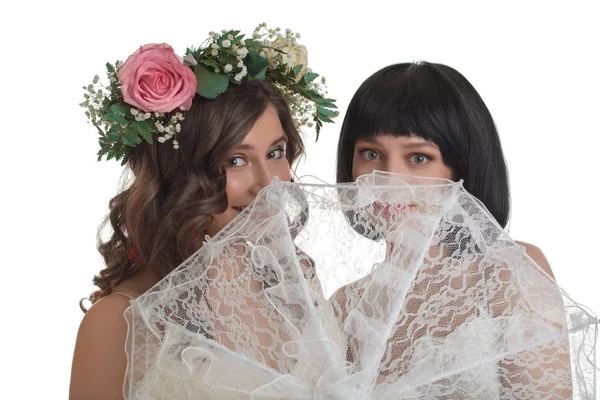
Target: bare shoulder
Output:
[(99, 360), (538, 256)]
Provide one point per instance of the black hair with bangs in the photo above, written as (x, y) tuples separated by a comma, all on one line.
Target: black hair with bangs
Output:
[(439, 104)]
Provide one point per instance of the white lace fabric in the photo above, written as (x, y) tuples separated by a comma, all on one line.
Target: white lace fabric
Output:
[(392, 287)]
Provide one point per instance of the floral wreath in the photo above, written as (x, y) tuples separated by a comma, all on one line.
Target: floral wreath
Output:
[(148, 94)]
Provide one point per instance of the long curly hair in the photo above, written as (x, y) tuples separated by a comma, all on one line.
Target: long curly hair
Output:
[(165, 210)]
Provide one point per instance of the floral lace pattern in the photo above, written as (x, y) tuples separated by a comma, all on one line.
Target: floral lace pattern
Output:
[(392, 287)]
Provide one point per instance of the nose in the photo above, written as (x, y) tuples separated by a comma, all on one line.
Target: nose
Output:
[(396, 165), (262, 176)]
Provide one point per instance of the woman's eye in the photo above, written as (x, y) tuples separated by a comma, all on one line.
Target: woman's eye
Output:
[(235, 162), (370, 155), (420, 158), (276, 153)]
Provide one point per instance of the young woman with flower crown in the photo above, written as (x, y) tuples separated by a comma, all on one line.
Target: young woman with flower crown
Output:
[(201, 137)]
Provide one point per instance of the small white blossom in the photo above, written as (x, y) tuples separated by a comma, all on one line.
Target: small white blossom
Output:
[(133, 111), (243, 42), (238, 77), (147, 115), (215, 52), (230, 36), (226, 43), (159, 126), (228, 68), (176, 146), (161, 139), (240, 64), (214, 46), (178, 128)]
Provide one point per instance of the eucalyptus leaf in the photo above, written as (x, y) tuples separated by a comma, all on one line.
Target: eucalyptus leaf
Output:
[(256, 64), (210, 84)]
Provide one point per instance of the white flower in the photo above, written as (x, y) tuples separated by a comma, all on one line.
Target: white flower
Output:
[(159, 126), (228, 68), (243, 42), (215, 52), (226, 43), (133, 111), (178, 128), (161, 139), (243, 52), (238, 77), (293, 55), (240, 64), (147, 115), (214, 46)]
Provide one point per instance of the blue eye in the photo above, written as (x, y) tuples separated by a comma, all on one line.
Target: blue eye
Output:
[(236, 162), (420, 158), (370, 155)]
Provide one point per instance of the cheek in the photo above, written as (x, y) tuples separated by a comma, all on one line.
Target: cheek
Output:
[(360, 167), (236, 185), (282, 170), (444, 171)]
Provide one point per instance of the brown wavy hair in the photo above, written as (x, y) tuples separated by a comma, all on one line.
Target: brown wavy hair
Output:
[(165, 210)]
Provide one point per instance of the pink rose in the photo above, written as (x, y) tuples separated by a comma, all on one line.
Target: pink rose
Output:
[(154, 79)]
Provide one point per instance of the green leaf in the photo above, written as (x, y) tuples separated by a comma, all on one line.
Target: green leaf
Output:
[(210, 84), (256, 64), (119, 109), (115, 118), (209, 62), (145, 129), (262, 74), (297, 69), (310, 76), (131, 137), (326, 112)]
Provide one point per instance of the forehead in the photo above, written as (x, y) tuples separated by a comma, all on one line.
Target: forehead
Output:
[(265, 130)]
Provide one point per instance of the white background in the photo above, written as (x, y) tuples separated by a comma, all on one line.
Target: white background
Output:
[(535, 64)]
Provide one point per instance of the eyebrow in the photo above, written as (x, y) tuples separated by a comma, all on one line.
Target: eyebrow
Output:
[(273, 143), (412, 145)]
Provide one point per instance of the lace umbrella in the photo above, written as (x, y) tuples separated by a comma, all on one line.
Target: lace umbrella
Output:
[(393, 287)]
